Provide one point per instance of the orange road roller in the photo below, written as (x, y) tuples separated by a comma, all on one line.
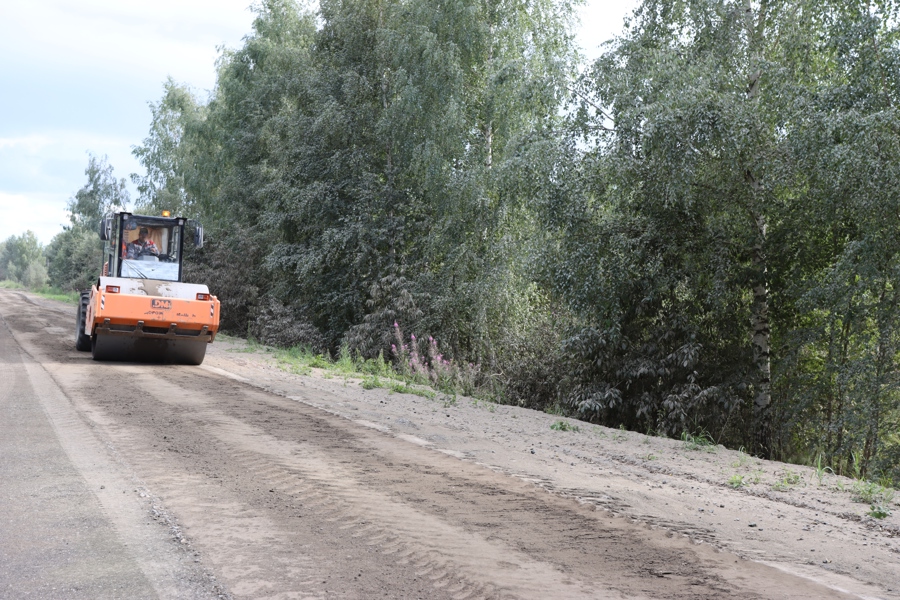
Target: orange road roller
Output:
[(139, 309)]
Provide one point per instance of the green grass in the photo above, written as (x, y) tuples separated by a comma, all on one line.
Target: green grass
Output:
[(869, 492), (371, 382), (251, 346), (821, 469), (487, 403), (698, 441), (556, 409), (879, 511), (564, 426), (374, 373), (736, 481), (403, 388), (244, 350), (886, 482), (788, 481), (298, 356), (69, 297), (743, 459), (52, 294)]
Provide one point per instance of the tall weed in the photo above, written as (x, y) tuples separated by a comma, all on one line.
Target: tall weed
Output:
[(423, 362)]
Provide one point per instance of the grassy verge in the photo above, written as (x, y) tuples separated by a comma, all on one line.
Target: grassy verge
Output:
[(54, 294), (69, 297), (373, 373)]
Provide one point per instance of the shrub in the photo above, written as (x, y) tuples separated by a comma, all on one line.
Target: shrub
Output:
[(284, 326)]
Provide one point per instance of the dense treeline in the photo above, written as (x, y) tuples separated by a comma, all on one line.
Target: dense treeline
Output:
[(22, 260), (697, 232)]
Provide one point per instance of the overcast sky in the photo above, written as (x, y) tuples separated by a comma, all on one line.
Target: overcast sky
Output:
[(77, 76)]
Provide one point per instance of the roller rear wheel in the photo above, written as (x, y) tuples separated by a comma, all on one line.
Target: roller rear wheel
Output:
[(82, 340)]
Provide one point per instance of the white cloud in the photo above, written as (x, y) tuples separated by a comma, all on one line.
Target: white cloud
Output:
[(149, 39), (29, 143), (54, 156), (76, 78), (39, 173), (44, 214), (56, 141)]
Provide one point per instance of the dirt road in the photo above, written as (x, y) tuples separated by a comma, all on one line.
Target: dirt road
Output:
[(238, 480)]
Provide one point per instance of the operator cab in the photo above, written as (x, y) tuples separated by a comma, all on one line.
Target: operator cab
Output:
[(144, 247)]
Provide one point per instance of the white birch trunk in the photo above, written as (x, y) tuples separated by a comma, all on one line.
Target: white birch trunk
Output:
[(760, 328), (761, 335)]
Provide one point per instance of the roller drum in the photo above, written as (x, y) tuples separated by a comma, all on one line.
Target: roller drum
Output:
[(145, 349)]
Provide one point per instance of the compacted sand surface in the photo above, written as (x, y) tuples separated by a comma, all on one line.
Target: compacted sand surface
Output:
[(799, 519), (240, 479)]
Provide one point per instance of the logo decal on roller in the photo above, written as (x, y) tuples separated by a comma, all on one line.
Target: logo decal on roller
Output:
[(163, 304)]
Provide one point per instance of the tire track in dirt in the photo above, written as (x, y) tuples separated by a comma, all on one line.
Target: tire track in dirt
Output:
[(331, 491), (244, 526), (335, 487)]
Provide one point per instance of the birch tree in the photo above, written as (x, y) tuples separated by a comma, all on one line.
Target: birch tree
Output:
[(727, 193)]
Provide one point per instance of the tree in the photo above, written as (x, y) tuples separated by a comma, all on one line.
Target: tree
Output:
[(390, 194), (839, 379), (372, 161), (166, 153), (22, 258), (102, 194), (715, 216), (74, 255), (73, 258)]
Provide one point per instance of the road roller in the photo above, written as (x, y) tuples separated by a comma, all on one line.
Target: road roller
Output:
[(139, 309)]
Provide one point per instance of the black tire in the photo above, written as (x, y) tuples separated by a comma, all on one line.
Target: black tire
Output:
[(82, 341)]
